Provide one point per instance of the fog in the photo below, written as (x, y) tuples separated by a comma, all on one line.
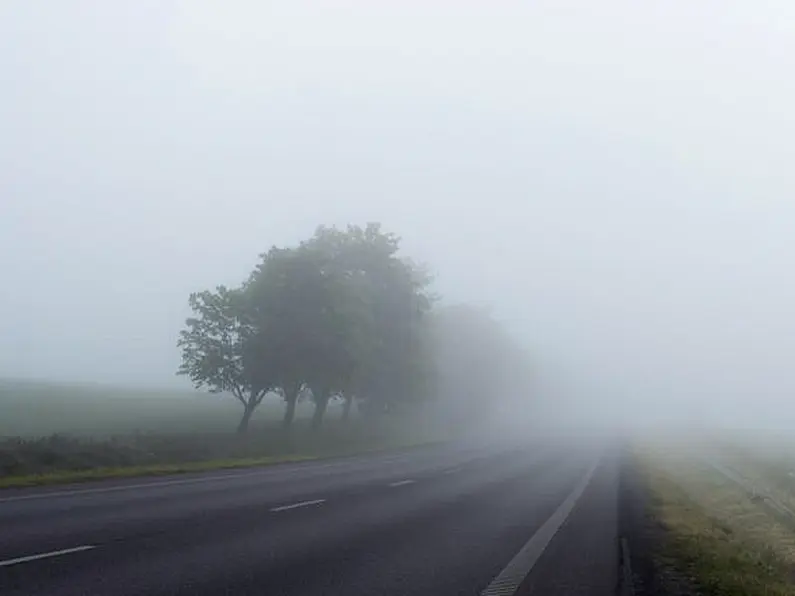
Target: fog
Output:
[(613, 178)]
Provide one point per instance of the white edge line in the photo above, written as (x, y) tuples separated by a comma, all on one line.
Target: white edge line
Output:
[(261, 470), (297, 505), (627, 585), (218, 475), (402, 483), (510, 578), (143, 485), (55, 553)]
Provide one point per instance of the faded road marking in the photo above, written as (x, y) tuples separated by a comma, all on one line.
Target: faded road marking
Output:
[(297, 505), (55, 553), (402, 483)]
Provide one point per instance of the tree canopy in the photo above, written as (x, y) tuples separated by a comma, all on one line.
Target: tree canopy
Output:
[(341, 314), (220, 349)]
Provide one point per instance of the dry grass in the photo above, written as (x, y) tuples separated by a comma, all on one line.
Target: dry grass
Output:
[(717, 536)]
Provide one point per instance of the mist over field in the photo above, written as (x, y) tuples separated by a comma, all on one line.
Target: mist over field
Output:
[(613, 180)]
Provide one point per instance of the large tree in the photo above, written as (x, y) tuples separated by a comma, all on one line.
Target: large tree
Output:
[(342, 314), (276, 299), (313, 319), (392, 299), (221, 350)]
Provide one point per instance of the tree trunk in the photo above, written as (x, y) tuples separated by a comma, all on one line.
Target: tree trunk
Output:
[(321, 403), (243, 426), (289, 411), (346, 409)]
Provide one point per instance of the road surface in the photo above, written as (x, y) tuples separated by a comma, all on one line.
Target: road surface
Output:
[(526, 518)]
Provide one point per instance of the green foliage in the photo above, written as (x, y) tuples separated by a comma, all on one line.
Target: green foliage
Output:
[(311, 322), (220, 349), (343, 314), (392, 301)]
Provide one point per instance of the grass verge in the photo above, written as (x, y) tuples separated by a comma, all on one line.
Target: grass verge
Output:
[(713, 535), (70, 476), (119, 472)]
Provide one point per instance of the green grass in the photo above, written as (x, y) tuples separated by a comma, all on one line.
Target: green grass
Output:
[(35, 408), (70, 476), (769, 464), (105, 473), (56, 433), (716, 536)]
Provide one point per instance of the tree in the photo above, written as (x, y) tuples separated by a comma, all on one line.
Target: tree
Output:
[(343, 333), (310, 317), (392, 294), (275, 297), (341, 314), (345, 312), (221, 350)]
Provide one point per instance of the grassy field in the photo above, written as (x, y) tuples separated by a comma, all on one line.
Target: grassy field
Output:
[(715, 534), (767, 461), (104, 473), (53, 433), (31, 409)]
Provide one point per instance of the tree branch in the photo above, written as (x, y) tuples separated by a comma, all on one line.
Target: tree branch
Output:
[(260, 396), (238, 393)]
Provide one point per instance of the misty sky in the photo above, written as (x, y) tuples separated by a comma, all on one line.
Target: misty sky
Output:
[(614, 177)]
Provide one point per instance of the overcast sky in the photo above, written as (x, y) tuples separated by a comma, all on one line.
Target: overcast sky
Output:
[(616, 178)]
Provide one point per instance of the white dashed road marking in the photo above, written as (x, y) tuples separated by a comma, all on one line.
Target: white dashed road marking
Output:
[(297, 505), (55, 553), (402, 483)]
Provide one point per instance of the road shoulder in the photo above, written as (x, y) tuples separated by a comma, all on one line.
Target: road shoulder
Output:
[(690, 530)]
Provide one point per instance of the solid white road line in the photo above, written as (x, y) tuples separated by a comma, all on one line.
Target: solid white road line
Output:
[(297, 505), (402, 483), (55, 553), (139, 486), (510, 578), (222, 476)]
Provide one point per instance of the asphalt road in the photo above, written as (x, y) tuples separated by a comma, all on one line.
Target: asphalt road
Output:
[(523, 517)]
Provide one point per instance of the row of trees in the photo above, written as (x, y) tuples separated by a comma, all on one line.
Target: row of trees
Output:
[(341, 315)]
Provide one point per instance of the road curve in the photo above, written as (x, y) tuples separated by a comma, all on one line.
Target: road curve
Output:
[(453, 519)]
